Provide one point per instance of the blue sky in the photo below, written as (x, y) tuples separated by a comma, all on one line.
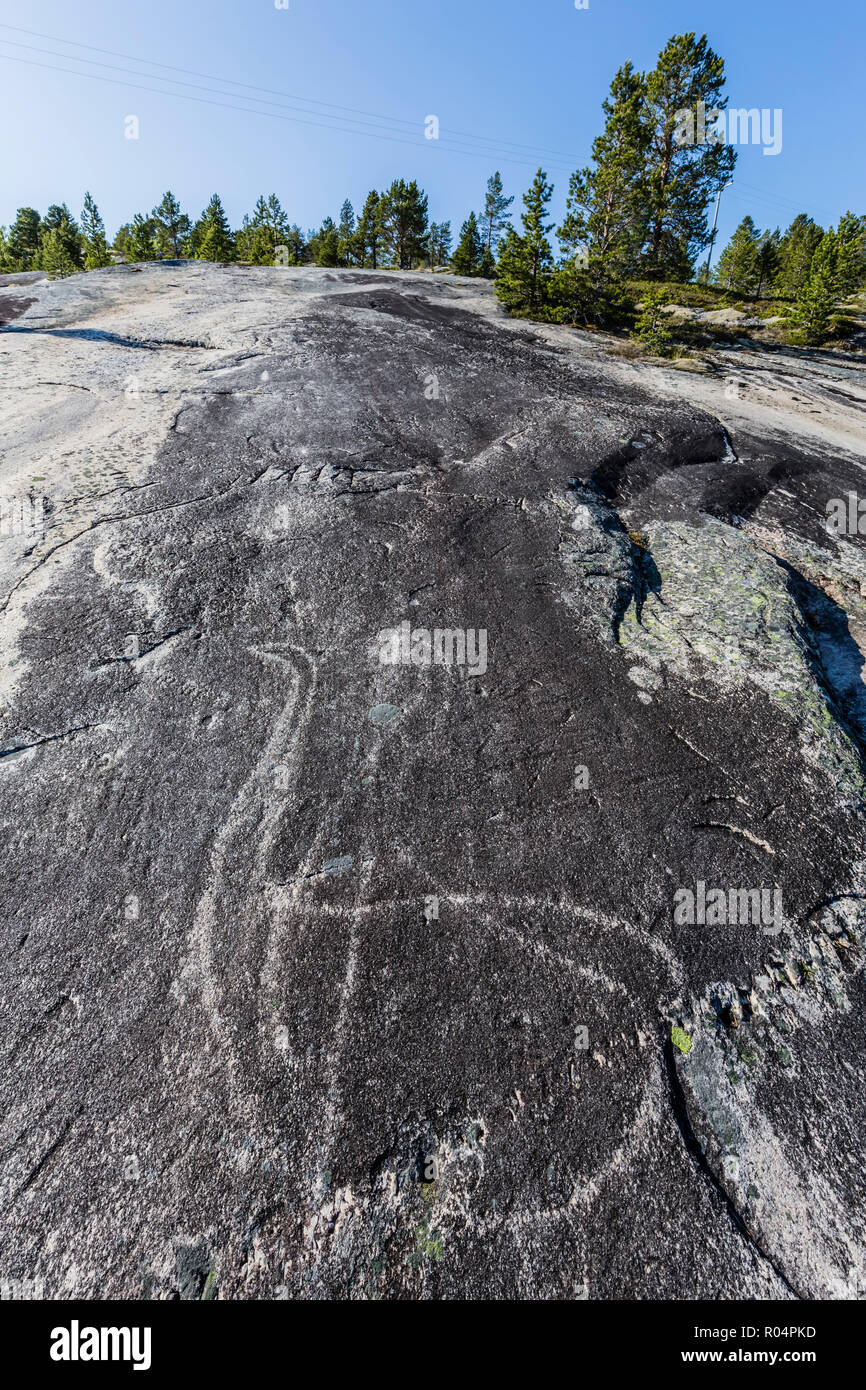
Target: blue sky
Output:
[(505, 74)]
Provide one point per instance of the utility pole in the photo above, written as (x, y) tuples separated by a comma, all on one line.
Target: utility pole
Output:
[(715, 220)]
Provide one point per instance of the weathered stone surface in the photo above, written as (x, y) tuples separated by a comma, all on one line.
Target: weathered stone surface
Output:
[(326, 976)]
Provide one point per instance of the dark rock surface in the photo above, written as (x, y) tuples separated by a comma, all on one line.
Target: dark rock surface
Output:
[(325, 977)]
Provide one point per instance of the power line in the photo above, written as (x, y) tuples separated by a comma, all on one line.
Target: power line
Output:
[(778, 198), (274, 115), (304, 102), (756, 198), (777, 203), (115, 67)]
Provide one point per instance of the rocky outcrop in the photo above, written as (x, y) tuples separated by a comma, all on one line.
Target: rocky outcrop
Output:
[(347, 954)]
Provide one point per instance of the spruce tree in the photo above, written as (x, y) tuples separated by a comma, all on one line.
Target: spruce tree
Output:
[(535, 231), (171, 226), (512, 279), (254, 242), (295, 245), (850, 253), (468, 255), (368, 234), (141, 243), (796, 250), (65, 252), (22, 241), (525, 261), (260, 236), (261, 215), (57, 216), (768, 260), (817, 299), (55, 255), (324, 245), (737, 267), (681, 176), (346, 234), (96, 253), (213, 234), (276, 220), (121, 240)]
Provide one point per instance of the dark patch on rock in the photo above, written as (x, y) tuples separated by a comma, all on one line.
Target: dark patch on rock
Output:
[(13, 307), (315, 1004)]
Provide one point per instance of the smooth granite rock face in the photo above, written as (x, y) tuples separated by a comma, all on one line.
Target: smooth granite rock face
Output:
[(431, 784)]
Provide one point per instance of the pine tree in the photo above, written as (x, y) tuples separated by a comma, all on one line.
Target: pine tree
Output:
[(66, 241), (261, 215), (443, 243), (796, 250), (817, 299), (121, 240), (261, 236), (55, 255), (403, 220), (606, 203), (494, 219), (512, 277), (652, 326), (22, 242), (525, 262), (58, 215), (535, 231), (737, 268), (438, 244), (324, 245), (255, 240), (96, 253), (585, 289), (468, 256), (851, 253), (171, 226), (141, 243), (368, 234), (681, 176), (276, 219), (768, 260), (254, 244), (346, 234), (296, 247), (213, 234)]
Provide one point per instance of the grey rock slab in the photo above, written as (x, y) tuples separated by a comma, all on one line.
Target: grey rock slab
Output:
[(308, 998)]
